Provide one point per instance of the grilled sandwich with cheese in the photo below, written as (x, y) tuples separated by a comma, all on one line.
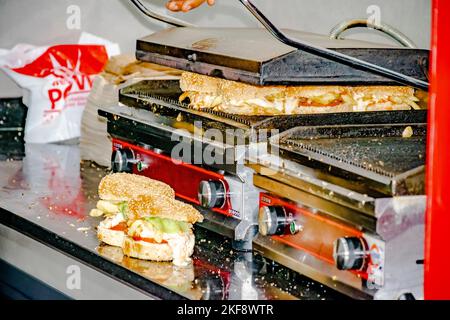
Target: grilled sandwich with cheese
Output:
[(115, 192), (244, 99), (161, 229)]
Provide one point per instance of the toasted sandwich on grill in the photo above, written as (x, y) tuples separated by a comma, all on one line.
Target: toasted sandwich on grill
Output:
[(206, 92), (382, 98), (115, 192), (161, 229)]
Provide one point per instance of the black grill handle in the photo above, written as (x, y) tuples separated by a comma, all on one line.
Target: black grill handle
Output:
[(334, 55)]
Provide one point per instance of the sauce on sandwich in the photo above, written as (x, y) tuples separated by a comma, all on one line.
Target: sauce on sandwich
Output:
[(122, 226)]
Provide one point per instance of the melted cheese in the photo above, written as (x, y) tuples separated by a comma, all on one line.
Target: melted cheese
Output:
[(280, 104), (181, 245), (385, 102), (112, 221), (269, 105)]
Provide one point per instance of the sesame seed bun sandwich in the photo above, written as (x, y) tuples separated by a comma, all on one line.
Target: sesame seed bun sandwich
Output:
[(115, 192), (204, 92), (160, 229)]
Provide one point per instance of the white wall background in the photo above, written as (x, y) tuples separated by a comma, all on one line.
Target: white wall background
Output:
[(43, 22)]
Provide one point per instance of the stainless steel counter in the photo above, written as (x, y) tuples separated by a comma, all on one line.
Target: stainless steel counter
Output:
[(44, 204)]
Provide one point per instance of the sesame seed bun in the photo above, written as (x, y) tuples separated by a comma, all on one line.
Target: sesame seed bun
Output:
[(383, 91), (124, 187), (199, 83), (163, 207), (111, 237), (146, 250), (238, 90)]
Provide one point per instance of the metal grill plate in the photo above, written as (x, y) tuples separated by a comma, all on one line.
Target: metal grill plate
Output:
[(164, 96), (161, 96), (378, 153)]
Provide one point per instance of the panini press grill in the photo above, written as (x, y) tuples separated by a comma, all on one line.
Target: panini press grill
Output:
[(319, 211)]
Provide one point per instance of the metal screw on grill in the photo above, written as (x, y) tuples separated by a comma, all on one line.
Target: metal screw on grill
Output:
[(192, 57), (141, 166), (295, 228)]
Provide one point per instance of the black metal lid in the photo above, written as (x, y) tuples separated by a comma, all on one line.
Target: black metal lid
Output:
[(254, 56)]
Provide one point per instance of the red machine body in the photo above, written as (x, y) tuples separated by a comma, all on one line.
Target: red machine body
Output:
[(318, 232), (437, 261), (183, 178)]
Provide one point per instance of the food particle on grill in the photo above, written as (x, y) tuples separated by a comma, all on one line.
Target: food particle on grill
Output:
[(408, 132)]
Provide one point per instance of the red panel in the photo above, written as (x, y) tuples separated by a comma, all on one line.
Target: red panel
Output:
[(437, 258), (183, 178)]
